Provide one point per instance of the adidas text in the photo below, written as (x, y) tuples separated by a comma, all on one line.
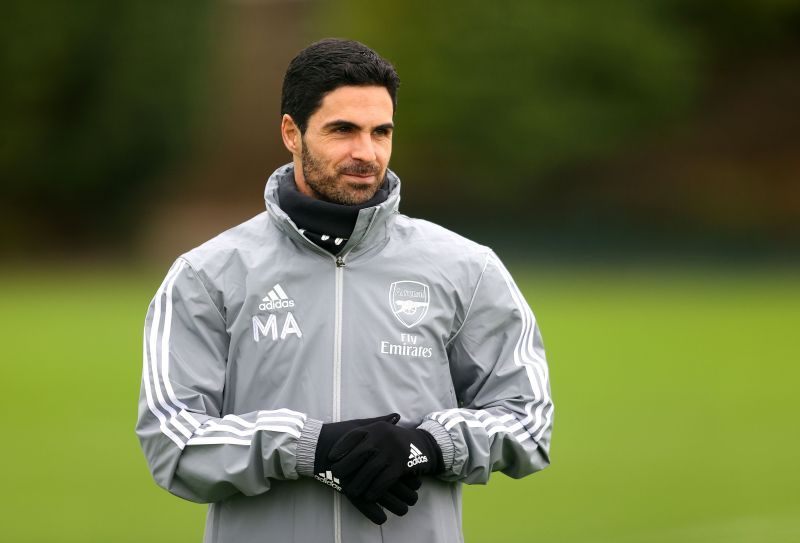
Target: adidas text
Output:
[(271, 305), (421, 459)]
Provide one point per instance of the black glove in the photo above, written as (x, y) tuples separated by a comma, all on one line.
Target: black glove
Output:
[(374, 457), (397, 497)]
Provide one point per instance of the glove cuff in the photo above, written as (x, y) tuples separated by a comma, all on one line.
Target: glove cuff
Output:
[(307, 446), (445, 443)]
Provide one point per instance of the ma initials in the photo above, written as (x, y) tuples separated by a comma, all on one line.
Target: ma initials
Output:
[(270, 328)]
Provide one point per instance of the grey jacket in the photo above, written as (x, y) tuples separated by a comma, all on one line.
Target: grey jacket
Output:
[(258, 336)]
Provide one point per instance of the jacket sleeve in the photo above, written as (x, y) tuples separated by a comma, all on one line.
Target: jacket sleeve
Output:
[(497, 360), (191, 450)]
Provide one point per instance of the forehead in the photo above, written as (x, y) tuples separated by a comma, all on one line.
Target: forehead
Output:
[(361, 105)]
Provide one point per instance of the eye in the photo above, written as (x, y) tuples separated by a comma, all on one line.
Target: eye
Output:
[(382, 131), (343, 129)]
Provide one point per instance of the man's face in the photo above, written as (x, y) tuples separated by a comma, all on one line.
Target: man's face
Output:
[(345, 150)]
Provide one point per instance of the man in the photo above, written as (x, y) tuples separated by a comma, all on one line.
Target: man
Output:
[(306, 371)]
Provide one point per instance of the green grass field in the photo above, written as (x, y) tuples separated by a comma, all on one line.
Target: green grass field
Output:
[(676, 412)]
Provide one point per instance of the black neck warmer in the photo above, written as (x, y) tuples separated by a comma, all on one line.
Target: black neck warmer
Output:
[(326, 224)]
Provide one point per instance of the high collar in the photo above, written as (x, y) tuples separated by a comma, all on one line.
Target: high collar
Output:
[(321, 217), (372, 225)]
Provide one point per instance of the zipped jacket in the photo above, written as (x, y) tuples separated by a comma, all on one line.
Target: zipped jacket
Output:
[(257, 337)]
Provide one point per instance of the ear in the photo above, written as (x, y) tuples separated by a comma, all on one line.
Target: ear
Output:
[(290, 133)]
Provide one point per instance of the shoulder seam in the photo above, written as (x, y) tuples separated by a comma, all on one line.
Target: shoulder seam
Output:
[(472, 300), (205, 289)]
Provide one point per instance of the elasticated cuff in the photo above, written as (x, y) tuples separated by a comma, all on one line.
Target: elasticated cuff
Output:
[(307, 447), (443, 439)]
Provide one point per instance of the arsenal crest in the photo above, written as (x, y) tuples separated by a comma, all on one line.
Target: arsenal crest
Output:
[(409, 301)]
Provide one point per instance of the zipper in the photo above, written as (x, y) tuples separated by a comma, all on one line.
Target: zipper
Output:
[(337, 340), (337, 376)]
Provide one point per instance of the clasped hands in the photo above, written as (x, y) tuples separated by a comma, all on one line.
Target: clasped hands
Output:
[(375, 463)]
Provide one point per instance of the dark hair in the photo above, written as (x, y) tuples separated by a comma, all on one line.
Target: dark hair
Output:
[(326, 65)]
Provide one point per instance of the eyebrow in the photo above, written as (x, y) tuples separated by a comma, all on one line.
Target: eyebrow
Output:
[(341, 123)]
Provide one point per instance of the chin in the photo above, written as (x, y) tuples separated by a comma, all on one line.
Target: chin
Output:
[(357, 196)]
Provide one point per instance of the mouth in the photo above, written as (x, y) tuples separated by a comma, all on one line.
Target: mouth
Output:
[(360, 178)]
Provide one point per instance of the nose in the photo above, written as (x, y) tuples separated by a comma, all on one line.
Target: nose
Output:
[(363, 148)]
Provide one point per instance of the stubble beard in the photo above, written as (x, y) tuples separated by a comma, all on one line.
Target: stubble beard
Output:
[(330, 188)]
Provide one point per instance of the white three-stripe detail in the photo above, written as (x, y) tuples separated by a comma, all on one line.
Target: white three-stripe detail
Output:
[(535, 367), (186, 415), (151, 367)]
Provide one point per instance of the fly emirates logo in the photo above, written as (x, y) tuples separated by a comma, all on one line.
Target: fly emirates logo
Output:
[(266, 326), (408, 347)]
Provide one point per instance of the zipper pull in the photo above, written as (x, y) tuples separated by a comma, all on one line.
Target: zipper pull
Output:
[(339, 262)]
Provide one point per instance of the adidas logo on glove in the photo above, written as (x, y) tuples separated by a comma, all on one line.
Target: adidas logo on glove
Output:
[(328, 478), (416, 457)]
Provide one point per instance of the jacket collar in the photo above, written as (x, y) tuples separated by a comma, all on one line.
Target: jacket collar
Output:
[(372, 226)]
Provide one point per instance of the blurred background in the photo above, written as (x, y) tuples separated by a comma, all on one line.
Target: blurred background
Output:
[(636, 163)]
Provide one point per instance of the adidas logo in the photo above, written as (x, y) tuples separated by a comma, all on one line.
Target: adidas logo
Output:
[(328, 478), (416, 457), (276, 299)]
